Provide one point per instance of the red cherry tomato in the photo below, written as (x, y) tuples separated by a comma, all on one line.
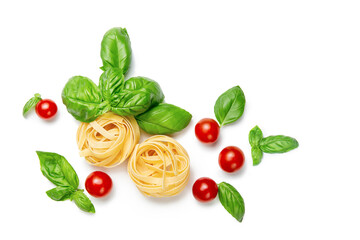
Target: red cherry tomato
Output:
[(207, 130), (98, 184), (46, 108), (204, 189), (231, 159)]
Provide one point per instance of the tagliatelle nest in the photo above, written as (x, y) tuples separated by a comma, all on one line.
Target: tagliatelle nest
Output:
[(109, 140), (159, 166)]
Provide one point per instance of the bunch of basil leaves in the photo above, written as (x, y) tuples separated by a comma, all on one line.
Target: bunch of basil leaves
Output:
[(59, 171), (271, 144), (137, 96)]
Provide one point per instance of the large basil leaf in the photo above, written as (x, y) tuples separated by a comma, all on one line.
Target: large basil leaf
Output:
[(111, 83), (232, 201), (83, 100), (57, 169), (116, 49), (138, 95), (82, 201), (278, 144), (255, 136), (229, 107), (31, 103), (60, 193), (164, 119)]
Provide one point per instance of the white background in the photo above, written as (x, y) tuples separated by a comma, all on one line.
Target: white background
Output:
[(296, 61)]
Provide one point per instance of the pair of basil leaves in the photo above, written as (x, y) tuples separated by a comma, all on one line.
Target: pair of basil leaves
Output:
[(59, 171), (138, 96), (270, 144)]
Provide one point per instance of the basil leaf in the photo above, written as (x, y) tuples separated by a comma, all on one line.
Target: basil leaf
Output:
[(256, 155), (111, 83), (164, 119), (82, 201), (232, 201), (57, 170), (138, 95), (229, 107), (116, 49), (60, 193), (278, 144), (31, 103), (83, 100), (255, 136)]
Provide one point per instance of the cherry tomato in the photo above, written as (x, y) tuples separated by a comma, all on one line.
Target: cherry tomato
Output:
[(207, 130), (205, 189), (231, 159), (46, 108), (98, 184)]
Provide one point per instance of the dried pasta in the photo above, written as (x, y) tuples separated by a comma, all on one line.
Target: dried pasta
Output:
[(159, 166), (109, 140)]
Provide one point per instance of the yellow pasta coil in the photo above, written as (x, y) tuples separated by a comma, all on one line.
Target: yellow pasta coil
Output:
[(159, 166), (109, 140)]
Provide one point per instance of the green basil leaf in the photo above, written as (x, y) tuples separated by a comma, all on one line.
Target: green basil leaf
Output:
[(82, 201), (116, 49), (57, 170), (164, 119), (83, 99), (31, 103), (232, 201), (60, 193), (111, 83), (278, 144), (256, 155), (229, 107), (138, 95), (255, 136)]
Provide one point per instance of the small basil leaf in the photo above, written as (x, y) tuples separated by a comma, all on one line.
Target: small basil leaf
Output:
[(31, 103), (278, 144), (60, 193), (82, 201), (111, 82), (116, 49), (57, 170), (138, 95), (229, 107), (255, 136), (83, 100), (164, 119), (256, 155), (232, 201)]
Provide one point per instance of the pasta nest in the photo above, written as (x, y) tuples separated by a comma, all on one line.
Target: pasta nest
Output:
[(159, 166), (109, 140)]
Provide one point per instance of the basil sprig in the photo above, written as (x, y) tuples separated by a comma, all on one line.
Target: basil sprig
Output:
[(232, 201), (137, 96), (229, 107), (270, 144), (31, 103), (59, 171)]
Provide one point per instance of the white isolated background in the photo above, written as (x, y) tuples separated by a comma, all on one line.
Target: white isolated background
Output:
[(296, 61)]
